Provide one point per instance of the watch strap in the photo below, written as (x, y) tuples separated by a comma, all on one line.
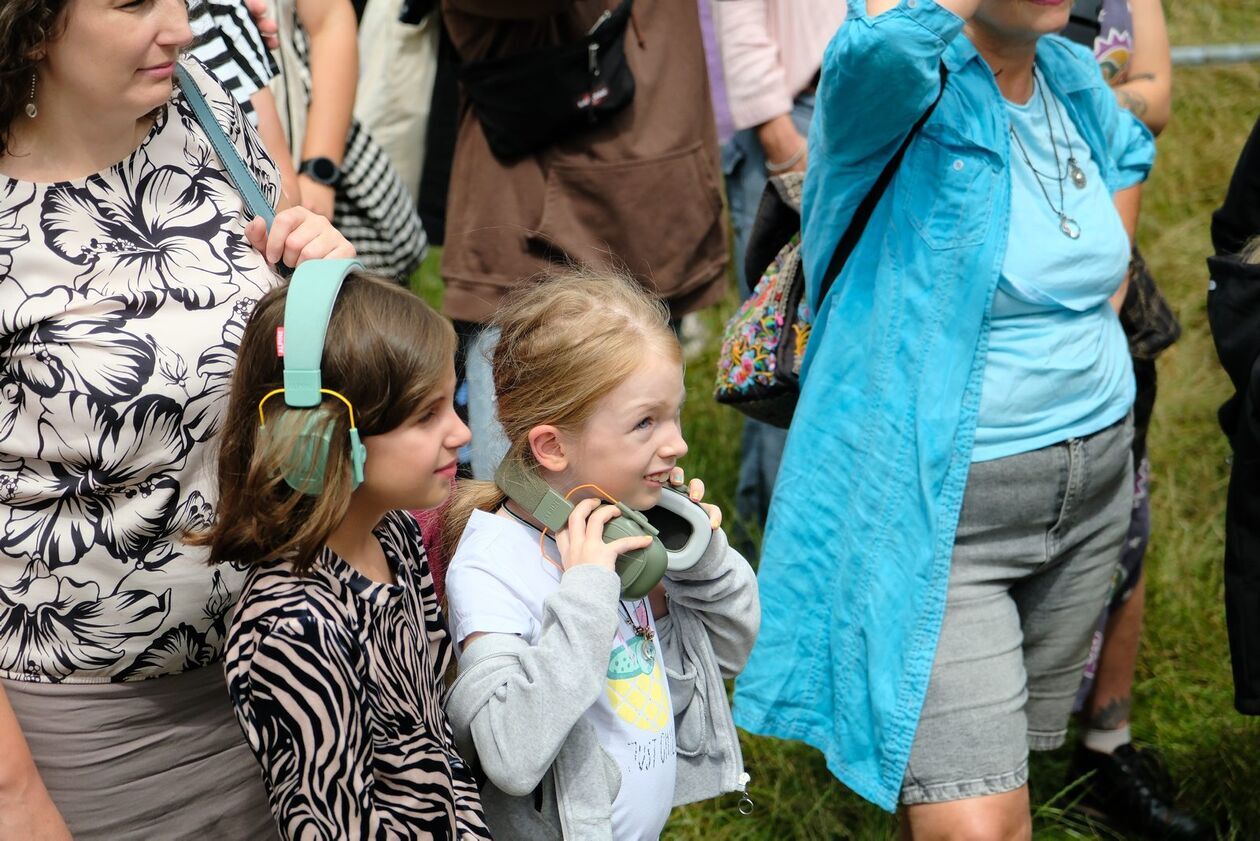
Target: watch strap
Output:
[(308, 168)]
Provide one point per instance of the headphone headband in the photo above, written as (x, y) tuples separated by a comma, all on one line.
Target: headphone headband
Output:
[(262, 419), (308, 308)]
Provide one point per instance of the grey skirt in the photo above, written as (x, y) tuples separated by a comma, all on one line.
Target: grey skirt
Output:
[(154, 759)]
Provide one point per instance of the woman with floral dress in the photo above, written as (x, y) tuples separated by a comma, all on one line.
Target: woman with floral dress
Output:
[(128, 267)]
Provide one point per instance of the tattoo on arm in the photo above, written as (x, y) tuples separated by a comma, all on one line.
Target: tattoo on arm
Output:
[(1136, 76), (1111, 715), (1133, 102)]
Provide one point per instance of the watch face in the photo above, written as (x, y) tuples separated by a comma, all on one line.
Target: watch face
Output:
[(322, 170)]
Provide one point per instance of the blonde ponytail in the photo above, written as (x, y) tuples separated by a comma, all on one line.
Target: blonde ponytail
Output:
[(470, 495)]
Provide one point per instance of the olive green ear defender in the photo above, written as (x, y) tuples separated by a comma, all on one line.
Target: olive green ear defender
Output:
[(640, 569), (308, 308)]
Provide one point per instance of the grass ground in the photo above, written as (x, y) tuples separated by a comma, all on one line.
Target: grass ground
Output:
[(1183, 695)]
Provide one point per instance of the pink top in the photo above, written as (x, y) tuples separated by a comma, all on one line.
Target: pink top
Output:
[(771, 50)]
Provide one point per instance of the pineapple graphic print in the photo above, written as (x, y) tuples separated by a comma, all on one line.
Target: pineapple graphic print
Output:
[(636, 685)]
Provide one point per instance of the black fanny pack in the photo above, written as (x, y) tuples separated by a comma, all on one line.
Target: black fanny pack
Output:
[(528, 101)]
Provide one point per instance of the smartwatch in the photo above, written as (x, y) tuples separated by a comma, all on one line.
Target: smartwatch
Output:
[(321, 170)]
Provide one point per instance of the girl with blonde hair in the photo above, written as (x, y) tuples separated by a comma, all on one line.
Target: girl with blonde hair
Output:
[(591, 713)]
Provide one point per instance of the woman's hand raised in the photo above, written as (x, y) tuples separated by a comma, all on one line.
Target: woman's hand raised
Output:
[(297, 235)]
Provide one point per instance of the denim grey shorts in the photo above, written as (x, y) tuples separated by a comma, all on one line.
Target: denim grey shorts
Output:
[(1038, 540)]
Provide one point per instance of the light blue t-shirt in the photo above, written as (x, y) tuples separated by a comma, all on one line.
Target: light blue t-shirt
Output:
[(1058, 364)]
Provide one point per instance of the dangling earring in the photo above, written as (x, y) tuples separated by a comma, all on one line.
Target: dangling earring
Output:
[(31, 110)]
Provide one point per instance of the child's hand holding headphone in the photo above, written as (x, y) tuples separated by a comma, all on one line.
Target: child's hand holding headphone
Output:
[(695, 492), (582, 541)]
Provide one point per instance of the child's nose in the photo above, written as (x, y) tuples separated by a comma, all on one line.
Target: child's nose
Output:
[(459, 434), (675, 446)]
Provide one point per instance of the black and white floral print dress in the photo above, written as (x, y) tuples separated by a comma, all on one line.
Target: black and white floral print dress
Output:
[(123, 297)]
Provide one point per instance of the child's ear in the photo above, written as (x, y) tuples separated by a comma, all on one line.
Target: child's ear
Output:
[(547, 445)]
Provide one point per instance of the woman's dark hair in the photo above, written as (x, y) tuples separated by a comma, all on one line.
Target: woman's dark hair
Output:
[(386, 351), (26, 26)]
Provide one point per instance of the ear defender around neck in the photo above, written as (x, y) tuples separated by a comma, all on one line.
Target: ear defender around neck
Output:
[(308, 308), (640, 570)]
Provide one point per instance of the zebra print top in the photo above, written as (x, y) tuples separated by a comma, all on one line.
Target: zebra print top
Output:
[(337, 683)]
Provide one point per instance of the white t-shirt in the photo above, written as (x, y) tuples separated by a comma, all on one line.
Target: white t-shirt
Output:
[(497, 583)]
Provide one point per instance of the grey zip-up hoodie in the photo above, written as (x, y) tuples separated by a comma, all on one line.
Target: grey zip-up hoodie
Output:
[(516, 709)]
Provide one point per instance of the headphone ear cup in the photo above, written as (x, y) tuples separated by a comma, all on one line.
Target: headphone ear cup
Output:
[(307, 459), (358, 459), (639, 569)]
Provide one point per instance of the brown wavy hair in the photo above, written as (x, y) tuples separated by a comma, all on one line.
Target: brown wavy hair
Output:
[(386, 351), (26, 26), (563, 344)]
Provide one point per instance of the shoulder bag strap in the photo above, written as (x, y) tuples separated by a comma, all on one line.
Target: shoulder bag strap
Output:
[(862, 215), (237, 172)]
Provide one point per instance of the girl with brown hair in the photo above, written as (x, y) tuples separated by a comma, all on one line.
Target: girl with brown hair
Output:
[(336, 653)]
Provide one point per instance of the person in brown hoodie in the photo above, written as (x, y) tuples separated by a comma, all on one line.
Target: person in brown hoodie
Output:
[(640, 192)]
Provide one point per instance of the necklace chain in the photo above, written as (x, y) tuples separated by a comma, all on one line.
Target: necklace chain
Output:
[(644, 631), (1067, 224)]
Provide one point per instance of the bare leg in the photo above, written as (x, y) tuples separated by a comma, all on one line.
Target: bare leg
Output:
[(26, 810), (994, 817), (1109, 703), (1124, 787)]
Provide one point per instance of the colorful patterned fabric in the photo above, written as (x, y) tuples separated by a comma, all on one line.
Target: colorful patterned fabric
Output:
[(752, 363), (1114, 45)]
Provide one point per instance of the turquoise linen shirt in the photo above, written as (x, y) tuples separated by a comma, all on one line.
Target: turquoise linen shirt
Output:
[(857, 548)]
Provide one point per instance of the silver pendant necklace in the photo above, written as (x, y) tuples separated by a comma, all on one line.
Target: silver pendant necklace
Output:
[(1074, 169), (1076, 173), (1067, 225)]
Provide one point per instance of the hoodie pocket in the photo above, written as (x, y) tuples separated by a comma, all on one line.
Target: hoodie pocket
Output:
[(660, 218), (691, 712)]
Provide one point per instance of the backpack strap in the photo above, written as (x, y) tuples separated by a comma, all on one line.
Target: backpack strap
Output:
[(777, 220), (857, 225), (237, 172)]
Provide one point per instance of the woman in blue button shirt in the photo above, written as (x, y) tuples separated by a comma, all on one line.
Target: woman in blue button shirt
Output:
[(957, 481)]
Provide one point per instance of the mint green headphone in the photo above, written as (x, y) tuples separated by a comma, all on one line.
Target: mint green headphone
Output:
[(308, 308), (679, 528)]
